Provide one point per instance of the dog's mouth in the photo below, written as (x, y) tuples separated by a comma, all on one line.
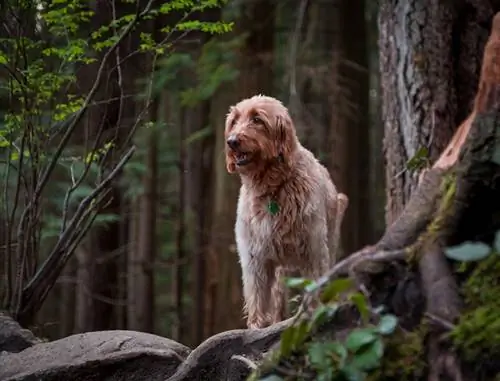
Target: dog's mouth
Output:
[(242, 158)]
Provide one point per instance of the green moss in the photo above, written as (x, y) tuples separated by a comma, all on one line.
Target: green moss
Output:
[(477, 335), (404, 358)]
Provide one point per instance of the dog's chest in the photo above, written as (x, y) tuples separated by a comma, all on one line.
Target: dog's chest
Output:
[(275, 230)]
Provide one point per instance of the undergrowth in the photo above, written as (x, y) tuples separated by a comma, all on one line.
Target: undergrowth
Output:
[(374, 347)]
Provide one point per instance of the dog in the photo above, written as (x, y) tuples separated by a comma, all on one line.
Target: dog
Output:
[(289, 211)]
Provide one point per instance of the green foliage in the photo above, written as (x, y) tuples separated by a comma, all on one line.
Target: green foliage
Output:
[(419, 160), (477, 335), (197, 78), (46, 176), (473, 251), (468, 251), (352, 358), (404, 357)]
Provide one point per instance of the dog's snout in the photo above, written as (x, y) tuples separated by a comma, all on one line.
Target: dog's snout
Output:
[(233, 142)]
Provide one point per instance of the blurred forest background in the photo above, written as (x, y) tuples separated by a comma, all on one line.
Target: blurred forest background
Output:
[(153, 242)]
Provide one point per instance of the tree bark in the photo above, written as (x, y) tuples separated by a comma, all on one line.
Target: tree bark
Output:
[(417, 88)]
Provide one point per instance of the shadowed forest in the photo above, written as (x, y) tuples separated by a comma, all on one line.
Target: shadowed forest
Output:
[(117, 211)]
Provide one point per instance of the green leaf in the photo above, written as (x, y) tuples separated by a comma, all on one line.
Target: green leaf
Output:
[(369, 357), (322, 314), (352, 373), (387, 324), (418, 160), (468, 251), (327, 356), (318, 356), (300, 283), (286, 343), (271, 377), (359, 301), (360, 337), (300, 334), (496, 243), (335, 288)]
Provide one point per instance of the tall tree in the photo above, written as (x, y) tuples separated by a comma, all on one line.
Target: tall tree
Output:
[(430, 57)]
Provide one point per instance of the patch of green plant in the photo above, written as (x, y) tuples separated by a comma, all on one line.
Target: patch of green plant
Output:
[(418, 161), (404, 357), (351, 358), (477, 334)]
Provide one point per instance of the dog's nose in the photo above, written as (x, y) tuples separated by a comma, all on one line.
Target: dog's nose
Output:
[(233, 142)]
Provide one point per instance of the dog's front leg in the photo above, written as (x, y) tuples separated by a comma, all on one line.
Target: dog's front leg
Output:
[(258, 279), (279, 295)]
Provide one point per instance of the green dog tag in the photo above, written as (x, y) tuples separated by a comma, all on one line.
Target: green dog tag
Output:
[(273, 207)]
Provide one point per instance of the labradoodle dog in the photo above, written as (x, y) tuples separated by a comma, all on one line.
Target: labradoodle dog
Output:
[(289, 212)]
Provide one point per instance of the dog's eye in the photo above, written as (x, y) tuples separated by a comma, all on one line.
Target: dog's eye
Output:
[(256, 120)]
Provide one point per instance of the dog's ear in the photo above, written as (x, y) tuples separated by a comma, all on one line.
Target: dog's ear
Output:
[(230, 163), (286, 140)]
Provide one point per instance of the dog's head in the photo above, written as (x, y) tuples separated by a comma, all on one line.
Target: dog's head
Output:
[(259, 131)]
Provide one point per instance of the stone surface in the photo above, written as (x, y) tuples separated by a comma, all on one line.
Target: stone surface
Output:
[(96, 356), (13, 338)]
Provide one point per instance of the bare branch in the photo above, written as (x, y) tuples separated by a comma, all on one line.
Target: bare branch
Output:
[(64, 141), (56, 260)]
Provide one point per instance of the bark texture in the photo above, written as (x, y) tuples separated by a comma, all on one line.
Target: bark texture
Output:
[(430, 53)]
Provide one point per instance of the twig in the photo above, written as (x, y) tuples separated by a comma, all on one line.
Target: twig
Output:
[(51, 265), (294, 47), (249, 363), (368, 254), (67, 135), (442, 322)]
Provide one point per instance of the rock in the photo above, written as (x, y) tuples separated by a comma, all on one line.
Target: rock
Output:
[(14, 338), (214, 358), (96, 356)]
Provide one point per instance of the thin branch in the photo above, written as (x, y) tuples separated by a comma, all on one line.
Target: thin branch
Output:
[(67, 135), (294, 48), (51, 265), (368, 254), (249, 363), (120, 74), (440, 321)]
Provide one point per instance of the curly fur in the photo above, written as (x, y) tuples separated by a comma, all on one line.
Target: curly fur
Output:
[(302, 238)]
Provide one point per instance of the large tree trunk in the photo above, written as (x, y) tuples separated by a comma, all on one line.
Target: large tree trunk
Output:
[(430, 55)]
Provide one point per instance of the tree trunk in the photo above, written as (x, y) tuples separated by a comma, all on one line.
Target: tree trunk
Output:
[(67, 301), (430, 56), (141, 309), (200, 164), (354, 74)]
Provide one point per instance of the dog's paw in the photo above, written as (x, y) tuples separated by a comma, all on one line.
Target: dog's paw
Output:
[(257, 323)]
